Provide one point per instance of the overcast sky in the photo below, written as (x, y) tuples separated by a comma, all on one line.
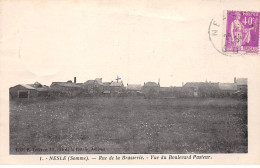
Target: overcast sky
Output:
[(138, 41)]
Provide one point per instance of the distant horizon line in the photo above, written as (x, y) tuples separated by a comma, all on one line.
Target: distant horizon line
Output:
[(183, 83)]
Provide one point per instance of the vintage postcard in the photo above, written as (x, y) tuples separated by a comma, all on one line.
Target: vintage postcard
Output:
[(129, 82)]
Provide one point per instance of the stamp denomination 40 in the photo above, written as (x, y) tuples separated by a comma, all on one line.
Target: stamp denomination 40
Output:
[(242, 32)]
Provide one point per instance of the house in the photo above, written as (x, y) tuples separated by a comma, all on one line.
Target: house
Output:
[(166, 92), (116, 86), (66, 88), (227, 89), (43, 91), (134, 90), (194, 86), (209, 89), (227, 86), (203, 89), (183, 92), (26, 91), (106, 87), (94, 86), (241, 84), (151, 89), (134, 87), (174, 92)]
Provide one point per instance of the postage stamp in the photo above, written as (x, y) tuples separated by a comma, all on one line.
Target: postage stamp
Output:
[(241, 32)]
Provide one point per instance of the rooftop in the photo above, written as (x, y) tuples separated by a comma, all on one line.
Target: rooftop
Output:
[(227, 86), (134, 87), (27, 86), (96, 81), (65, 84), (151, 84), (241, 81), (117, 83), (201, 84)]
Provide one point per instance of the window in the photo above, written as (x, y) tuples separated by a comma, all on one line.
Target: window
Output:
[(23, 94)]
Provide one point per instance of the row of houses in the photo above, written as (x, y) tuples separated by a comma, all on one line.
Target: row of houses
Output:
[(97, 87), (210, 89)]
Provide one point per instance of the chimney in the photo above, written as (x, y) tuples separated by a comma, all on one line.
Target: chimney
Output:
[(159, 81), (75, 80), (235, 80), (182, 83)]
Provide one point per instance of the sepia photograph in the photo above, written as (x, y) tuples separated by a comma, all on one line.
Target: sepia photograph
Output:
[(112, 117)]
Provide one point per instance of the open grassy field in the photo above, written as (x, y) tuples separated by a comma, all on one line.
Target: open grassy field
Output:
[(128, 125)]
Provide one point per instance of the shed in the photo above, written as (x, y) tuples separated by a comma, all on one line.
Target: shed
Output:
[(24, 91)]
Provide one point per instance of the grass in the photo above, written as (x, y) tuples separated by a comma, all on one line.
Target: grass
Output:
[(128, 125)]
